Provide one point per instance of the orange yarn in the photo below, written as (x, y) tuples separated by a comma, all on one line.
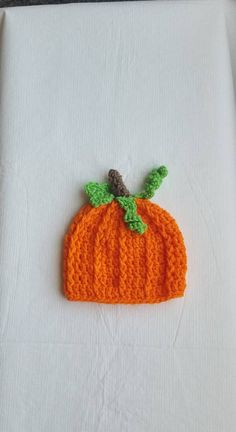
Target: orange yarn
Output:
[(106, 262)]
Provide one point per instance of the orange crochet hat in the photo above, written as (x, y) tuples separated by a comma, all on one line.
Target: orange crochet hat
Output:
[(122, 248)]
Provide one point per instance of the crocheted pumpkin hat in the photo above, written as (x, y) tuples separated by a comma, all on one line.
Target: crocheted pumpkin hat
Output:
[(122, 248)]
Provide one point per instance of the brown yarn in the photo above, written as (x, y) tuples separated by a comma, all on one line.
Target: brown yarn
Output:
[(118, 187)]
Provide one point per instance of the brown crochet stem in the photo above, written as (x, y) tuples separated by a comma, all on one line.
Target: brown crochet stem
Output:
[(118, 187)]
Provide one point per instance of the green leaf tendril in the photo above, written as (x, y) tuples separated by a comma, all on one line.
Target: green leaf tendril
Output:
[(153, 182), (133, 220)]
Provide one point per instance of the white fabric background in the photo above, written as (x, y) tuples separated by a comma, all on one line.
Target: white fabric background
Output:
[(85, 88)]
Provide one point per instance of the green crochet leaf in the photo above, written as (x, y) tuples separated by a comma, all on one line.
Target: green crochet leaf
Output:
[(98, 193), (131, 217)]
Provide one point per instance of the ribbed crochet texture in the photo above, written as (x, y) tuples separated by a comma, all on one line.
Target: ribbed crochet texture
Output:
[(107, 261)]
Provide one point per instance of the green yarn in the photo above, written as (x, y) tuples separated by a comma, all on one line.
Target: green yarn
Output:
[(131, 217), (98, 193), (153, 182)]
